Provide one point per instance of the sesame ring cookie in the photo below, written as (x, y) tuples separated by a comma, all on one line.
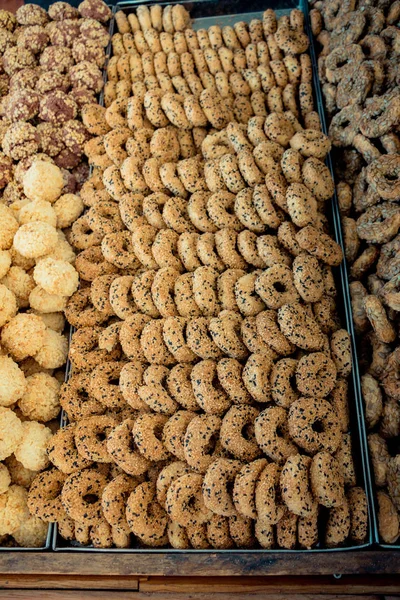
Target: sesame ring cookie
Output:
[(229, 169), (358, 514), (171, 181), (113, 501), (76, 400), (153, 345), (109, 337), (214, 108), (207, 252), (275, 286), (269, 331), (226, 288), (326, 480), (152, 207), (145, 517), (153, 109), (219, 474), (167, 476), (175, 215), (184, 503), (99, 293), (295, 485), (317, 178), (308, 278), (88, 437), (75, 490), (130, 377), (220, 206), (165, 250), (310, 411), (90, 263), (197, 211), (315, 375), (310, 142), (142, 242), (132, 176), (269, 509), (180, 387), (256, 373), (200, 440), (237, 420), (153, 392), (174, 337), (299, 327), (249, 169), (338, 525), (226, 246), (218, 534), (101, 386), (117, 249), (44, 497), (184, 297), (205, 290), (130, 334), (246, 298), (172, 105), (147, 433), (229, 372), (162, 290), (291, 164), (174, 432), (271, 252), (187, 250), (301, 205), (341, 352), (84, 351), (244, 487), (283, 391), (208, 394), (113, 183), (63, 452), (246, 212), (104, 217), (225, 332), (272, 435), (81, 312), (247, 245)]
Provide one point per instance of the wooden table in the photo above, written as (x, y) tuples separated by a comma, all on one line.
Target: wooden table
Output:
[(194, 576)]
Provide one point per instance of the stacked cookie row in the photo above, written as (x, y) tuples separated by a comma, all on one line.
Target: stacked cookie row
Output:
[(359, 65), (208, 398), (42, 168)]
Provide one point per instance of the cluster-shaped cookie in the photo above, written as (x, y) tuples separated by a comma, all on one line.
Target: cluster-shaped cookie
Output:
[(208, 399), (42, 168), (359, 67)]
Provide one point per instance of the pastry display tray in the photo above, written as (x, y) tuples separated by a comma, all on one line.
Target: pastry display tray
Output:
[(205, 13)]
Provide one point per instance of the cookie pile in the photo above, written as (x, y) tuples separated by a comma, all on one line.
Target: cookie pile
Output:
[(208, 401), (42, 167), (359, 65)]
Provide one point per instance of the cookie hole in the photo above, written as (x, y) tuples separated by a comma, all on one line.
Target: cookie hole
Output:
[(211, 444), (391, 177), (114, 381), (279, 287), (158, 431), (216, 383), (292, 381), (90, 498), (229, 487), (248, 432), (101, 436), (317, 426)]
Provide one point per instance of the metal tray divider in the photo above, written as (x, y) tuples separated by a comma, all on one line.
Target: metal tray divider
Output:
[(365, 457), (342, 280)]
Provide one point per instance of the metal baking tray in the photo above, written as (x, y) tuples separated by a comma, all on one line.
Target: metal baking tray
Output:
[(371, 488), (225, 12)]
